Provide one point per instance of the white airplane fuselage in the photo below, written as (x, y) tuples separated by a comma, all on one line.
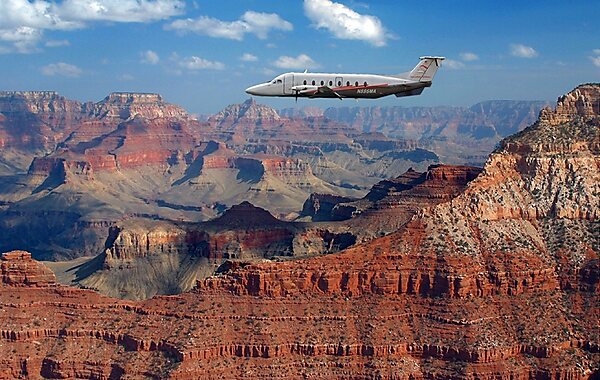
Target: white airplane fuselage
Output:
[(324, 85)]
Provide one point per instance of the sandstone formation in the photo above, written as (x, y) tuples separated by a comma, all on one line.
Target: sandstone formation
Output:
[(19, 269), (501, 281), (145, 258), (392, 203), (70, 170)]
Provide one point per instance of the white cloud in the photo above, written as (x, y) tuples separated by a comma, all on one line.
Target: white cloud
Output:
[(453, 64), (344, 23), (522, 51), (150, 57), (197, 63), (61, 69), (302, 61), (57, 43), (22, 23), (247, 57), (120, 10), (468, 56), (596, 51), (23, 39), (259, 24)]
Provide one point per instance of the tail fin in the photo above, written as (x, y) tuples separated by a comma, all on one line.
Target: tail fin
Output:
[(426, 69)]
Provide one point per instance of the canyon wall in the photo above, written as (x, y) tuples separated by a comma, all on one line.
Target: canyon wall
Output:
[(466, 289)]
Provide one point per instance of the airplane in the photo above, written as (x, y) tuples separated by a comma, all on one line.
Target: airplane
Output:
[(322, 85)]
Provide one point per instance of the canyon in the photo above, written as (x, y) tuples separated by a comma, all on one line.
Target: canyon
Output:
[(70, 171), (491, 273)]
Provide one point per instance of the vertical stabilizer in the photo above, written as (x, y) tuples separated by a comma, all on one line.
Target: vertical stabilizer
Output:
[(426, 69)]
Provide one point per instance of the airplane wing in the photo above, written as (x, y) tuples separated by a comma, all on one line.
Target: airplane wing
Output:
[(324, 90)]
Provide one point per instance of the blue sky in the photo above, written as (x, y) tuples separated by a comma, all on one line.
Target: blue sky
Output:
[(202, 54)]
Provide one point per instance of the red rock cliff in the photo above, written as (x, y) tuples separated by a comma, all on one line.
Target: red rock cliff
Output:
[(19, 269)]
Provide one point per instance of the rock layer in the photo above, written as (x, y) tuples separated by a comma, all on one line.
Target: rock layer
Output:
[(476, 287), (19, 269)]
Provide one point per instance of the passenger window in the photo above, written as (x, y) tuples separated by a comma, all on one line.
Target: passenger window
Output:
[(322, 83), (356, 83), (313, 82), (365, 84), (330, 83), (348, 83), (339, 83), (305, 82)]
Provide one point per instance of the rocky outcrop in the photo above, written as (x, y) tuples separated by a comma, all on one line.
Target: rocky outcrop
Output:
[(255, 123), (58, 169), (391, 203), (166, 258), (19, 269), (379, 141), (128, 105), (248, 112), (319, 207), (523, 231), (466, 289), (34, 121)]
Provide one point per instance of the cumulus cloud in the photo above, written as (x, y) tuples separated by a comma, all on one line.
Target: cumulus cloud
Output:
[(247, 57), (302, 61), (61, 69), (259, 24), (453, 64), (23, 39), (523, 51), (197, 63), (120, 10), (344, 23), (150, 57), (22, 23), (468, 56)]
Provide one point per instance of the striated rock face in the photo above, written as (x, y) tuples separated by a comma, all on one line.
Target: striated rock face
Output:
[(19, 269), (392, 203), (36, 120), (319, 207), (255, 123), (524, 232), (166, 258), (247, 112), (459, 293), (127, 105)]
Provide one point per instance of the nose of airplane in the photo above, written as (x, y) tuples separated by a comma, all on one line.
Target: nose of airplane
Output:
[(253, 90)]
